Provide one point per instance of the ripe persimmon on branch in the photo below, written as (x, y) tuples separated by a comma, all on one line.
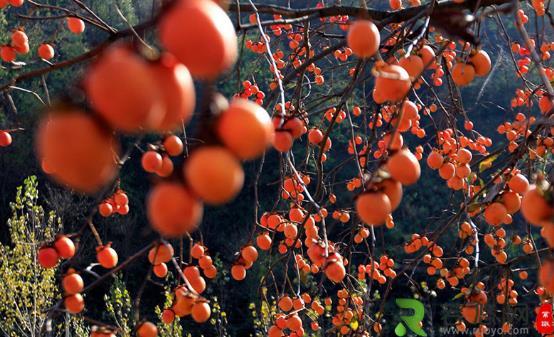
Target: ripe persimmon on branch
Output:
[(204, 90)]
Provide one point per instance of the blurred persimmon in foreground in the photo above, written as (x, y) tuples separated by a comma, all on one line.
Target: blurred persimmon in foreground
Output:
[(77, 150)]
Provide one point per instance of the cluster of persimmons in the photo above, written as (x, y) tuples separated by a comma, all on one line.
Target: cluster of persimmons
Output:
[(78, 146)]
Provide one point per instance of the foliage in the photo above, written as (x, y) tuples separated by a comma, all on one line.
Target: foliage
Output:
[(119, 307), (168, 330), (26, 289)]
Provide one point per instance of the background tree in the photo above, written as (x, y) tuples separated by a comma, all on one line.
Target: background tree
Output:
[(27, 290)]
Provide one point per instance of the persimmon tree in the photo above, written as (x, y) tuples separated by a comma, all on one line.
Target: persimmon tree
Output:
[(350, 99)]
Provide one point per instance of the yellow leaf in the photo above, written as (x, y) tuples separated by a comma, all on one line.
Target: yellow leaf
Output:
[(354, 325), (487, 163), (265, 309), (458, 296)]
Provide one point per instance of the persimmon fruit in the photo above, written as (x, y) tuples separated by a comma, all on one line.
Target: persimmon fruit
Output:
[(106, 256), (78, 150), (534, 207), (177, 92), (7, 53), (435, 160), (427, 55), (151, 161), (214, 174), (168, 316), (16, 3), (392, 83), (495, 214), (75, 25), (46, 51), (373, 208), (201, 35), (447, 171), (74, 304), (512, 201), (197, 251), (105, 209), (167, 167), (5, 139), (249, 253), (393, 189), (173, 145), (173, 210), (263, 241), (519, 183), (315, 136), (283, 141), (23, 49), (463, 156), (238, 272), (19, 38), (295, 126), (363, 38), (245, 128), (65, 247), (335, 271), (147, 329), (201, 312), (47, 257), (481, 63), (183, 305), (463, 74), (121, 198), (72, 283), (404, 167), (160, 270), (122, 89), (413, 64), (160, 253), (472, 312)]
